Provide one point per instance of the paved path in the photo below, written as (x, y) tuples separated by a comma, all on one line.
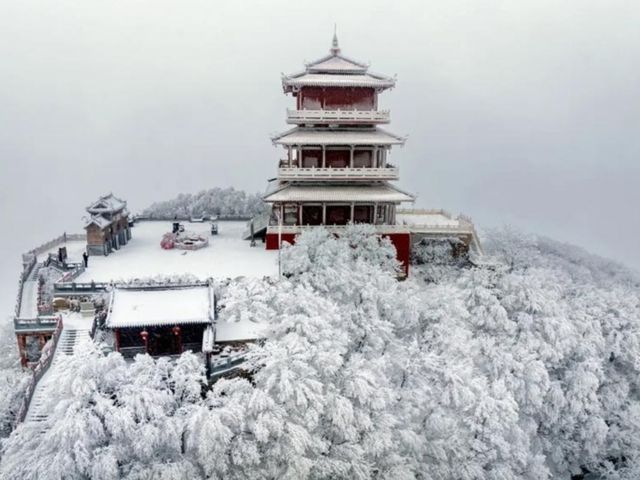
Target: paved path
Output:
[(29, 300)]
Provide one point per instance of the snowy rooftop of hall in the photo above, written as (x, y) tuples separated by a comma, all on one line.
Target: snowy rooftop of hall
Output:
[(226, 256), (157, 307)]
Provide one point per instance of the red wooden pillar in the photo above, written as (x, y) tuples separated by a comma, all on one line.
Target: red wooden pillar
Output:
[(117, 333), (145, 337), (178, 334)]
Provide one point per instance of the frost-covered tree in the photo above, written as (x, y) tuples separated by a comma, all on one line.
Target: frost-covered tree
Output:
[(13, 380), (110, 420), (524, 366), (224, 202)]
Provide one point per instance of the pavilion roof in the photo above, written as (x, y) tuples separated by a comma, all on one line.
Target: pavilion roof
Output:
[(107, 204), (327, 136), (160, 307), (98, 220), (336, 70), (382, 192)]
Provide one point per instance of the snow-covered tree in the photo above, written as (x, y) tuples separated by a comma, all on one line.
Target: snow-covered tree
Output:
[(110, 420), (224, 202)]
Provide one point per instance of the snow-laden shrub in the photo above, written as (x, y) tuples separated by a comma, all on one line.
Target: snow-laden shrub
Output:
[(224, 202)]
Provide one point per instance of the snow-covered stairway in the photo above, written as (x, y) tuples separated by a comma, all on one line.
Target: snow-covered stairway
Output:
[(73, 335)]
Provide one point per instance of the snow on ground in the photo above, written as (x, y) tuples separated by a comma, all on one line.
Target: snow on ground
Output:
[(29, 302), (227, 256), (160, 307)]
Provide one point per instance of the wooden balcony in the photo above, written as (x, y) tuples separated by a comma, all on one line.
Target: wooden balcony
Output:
[(319, 173), (342, 117)]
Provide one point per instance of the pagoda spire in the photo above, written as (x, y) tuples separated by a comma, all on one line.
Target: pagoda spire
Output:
[(335, 48)]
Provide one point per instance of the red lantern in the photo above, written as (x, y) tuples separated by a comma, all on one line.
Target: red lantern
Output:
[(176, 331), (145, 335)]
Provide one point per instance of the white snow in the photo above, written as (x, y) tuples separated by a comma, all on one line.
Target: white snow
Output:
[(432, 219), (75, 332), (342, 193), (240, 330), (29, 301), (227, 256), (137, 308), (370, 136)]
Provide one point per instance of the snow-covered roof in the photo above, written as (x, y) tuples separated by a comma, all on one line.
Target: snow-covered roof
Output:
[(336, 63), (239, 331), (160, 306), (339, 193), (327, 136), (337, 70), (438, 222), (107, 204), (365, 80), (98, 220), (426, 217)]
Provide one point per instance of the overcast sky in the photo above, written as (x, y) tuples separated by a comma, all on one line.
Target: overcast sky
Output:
[(518, 112)]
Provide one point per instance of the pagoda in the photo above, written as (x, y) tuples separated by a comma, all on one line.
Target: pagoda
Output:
[(336, 169)]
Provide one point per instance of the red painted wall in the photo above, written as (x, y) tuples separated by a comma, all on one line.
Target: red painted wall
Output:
[(333, 98), (272, 240), (402, 242)]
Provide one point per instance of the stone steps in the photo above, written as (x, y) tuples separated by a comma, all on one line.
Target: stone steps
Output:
[(69, 340)]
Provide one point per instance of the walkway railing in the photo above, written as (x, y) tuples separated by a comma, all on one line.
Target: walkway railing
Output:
[(223, 366), (319, 173), (295, 229), (42, 323), (38, 371), (341, 116)]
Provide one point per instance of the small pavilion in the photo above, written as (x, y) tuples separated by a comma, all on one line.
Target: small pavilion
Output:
[(107, 225)]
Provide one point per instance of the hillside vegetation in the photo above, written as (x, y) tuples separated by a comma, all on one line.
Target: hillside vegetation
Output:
[(223, 202), (524, 366)]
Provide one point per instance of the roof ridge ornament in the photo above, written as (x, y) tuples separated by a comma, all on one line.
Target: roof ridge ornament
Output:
[(335, 48)]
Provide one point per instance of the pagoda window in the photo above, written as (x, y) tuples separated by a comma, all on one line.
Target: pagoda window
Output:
[(311, 98), (349, 98), (290, 214), (312, 214), (338, 214), (362, 214), (337, 158), (380, 215), (311, 158), (363, 159)]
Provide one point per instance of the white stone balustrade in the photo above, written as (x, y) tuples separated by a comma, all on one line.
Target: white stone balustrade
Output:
[(328, 173), (337, 116)]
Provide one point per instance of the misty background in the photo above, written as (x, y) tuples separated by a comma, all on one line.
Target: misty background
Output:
[(524, 113)]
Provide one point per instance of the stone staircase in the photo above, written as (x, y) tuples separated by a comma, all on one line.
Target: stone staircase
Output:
[(70, 339)]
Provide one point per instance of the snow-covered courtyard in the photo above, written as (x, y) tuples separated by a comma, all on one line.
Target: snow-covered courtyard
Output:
[(226, 256)]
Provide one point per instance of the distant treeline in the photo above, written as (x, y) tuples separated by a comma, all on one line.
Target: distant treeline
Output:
[(223, 202)]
